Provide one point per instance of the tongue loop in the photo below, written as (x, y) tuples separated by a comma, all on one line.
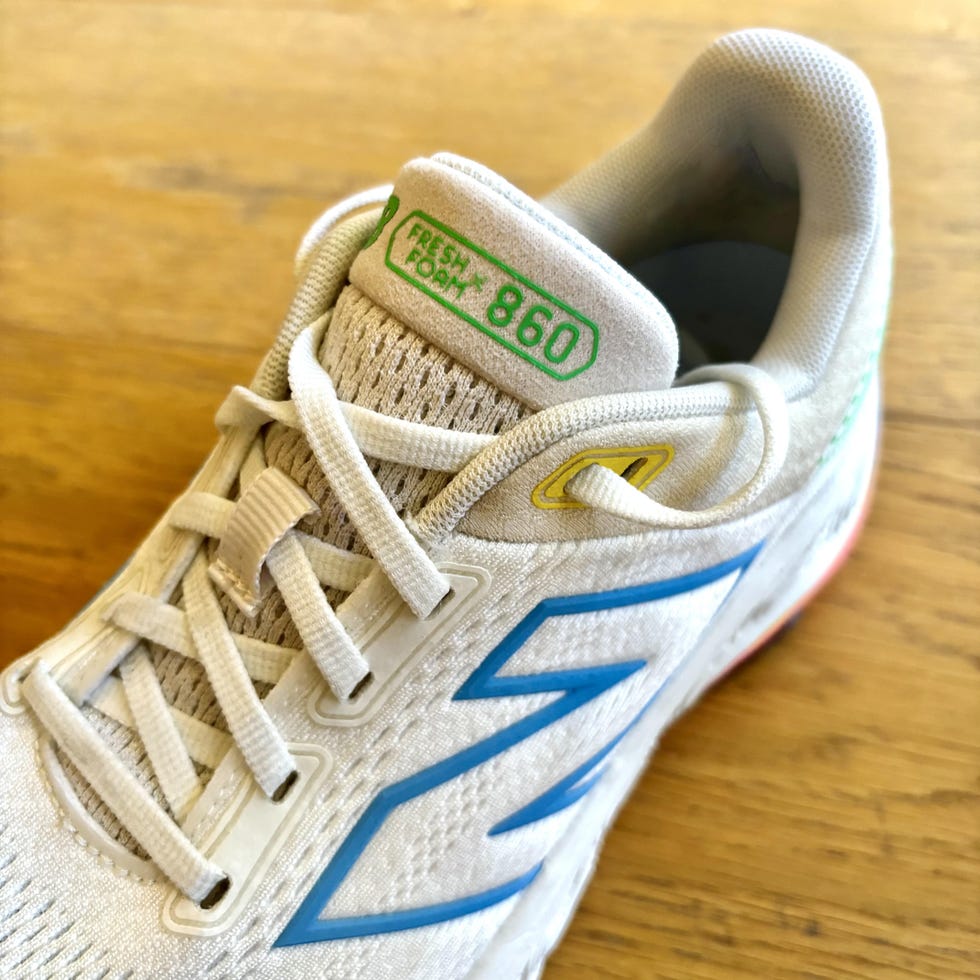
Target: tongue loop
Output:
[(505, 288)]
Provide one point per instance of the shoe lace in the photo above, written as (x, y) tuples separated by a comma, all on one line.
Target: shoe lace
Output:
[(259, 546)]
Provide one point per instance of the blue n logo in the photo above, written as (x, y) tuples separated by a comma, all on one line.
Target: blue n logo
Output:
[(577, 687)]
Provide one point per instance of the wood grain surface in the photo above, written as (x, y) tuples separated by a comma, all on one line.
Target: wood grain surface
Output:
[(818, 814)]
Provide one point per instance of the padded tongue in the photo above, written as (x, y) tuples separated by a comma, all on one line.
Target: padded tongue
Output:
[(504, 287)]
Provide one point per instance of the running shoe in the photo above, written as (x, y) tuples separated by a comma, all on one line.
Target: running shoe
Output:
[(516, 482)]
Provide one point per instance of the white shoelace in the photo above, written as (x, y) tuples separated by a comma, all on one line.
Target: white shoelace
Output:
[(258, 537)]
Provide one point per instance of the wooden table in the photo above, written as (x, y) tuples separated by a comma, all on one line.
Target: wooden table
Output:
[(816, 815)]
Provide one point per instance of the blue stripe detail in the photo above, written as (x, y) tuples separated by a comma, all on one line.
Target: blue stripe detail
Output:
[(483, 682), (430, 915), (559, 797), (577, 687), (573, 787)]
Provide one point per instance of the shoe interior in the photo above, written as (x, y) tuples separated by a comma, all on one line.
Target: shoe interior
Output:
[(749, 206), (722, 295)]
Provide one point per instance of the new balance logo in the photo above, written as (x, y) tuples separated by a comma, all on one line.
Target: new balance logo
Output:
[(577, 687)]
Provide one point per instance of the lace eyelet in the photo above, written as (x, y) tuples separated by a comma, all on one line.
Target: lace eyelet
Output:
[(441, 604), (11, 681), (362, 685), (216, 894), (284, 787)]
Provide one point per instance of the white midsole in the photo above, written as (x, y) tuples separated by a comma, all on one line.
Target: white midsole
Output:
[(795, 560)]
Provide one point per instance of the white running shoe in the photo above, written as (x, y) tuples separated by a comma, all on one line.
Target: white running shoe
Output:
[(365, 702)]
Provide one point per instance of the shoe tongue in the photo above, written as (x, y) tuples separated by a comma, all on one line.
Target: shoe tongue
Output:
[(504, 287)]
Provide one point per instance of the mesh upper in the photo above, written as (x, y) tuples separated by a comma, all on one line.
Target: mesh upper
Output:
[(38, 938), (375, 362)]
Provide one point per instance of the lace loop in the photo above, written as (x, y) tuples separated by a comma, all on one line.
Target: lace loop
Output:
[(603, 489), (410, 569), (257, 737), (162, 839), (159, 734), (269, 507)]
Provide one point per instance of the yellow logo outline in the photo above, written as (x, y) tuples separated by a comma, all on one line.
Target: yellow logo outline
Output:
[(640, 465)]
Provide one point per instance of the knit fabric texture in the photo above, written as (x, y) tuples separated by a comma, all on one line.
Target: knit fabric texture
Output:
[(378, 363)]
